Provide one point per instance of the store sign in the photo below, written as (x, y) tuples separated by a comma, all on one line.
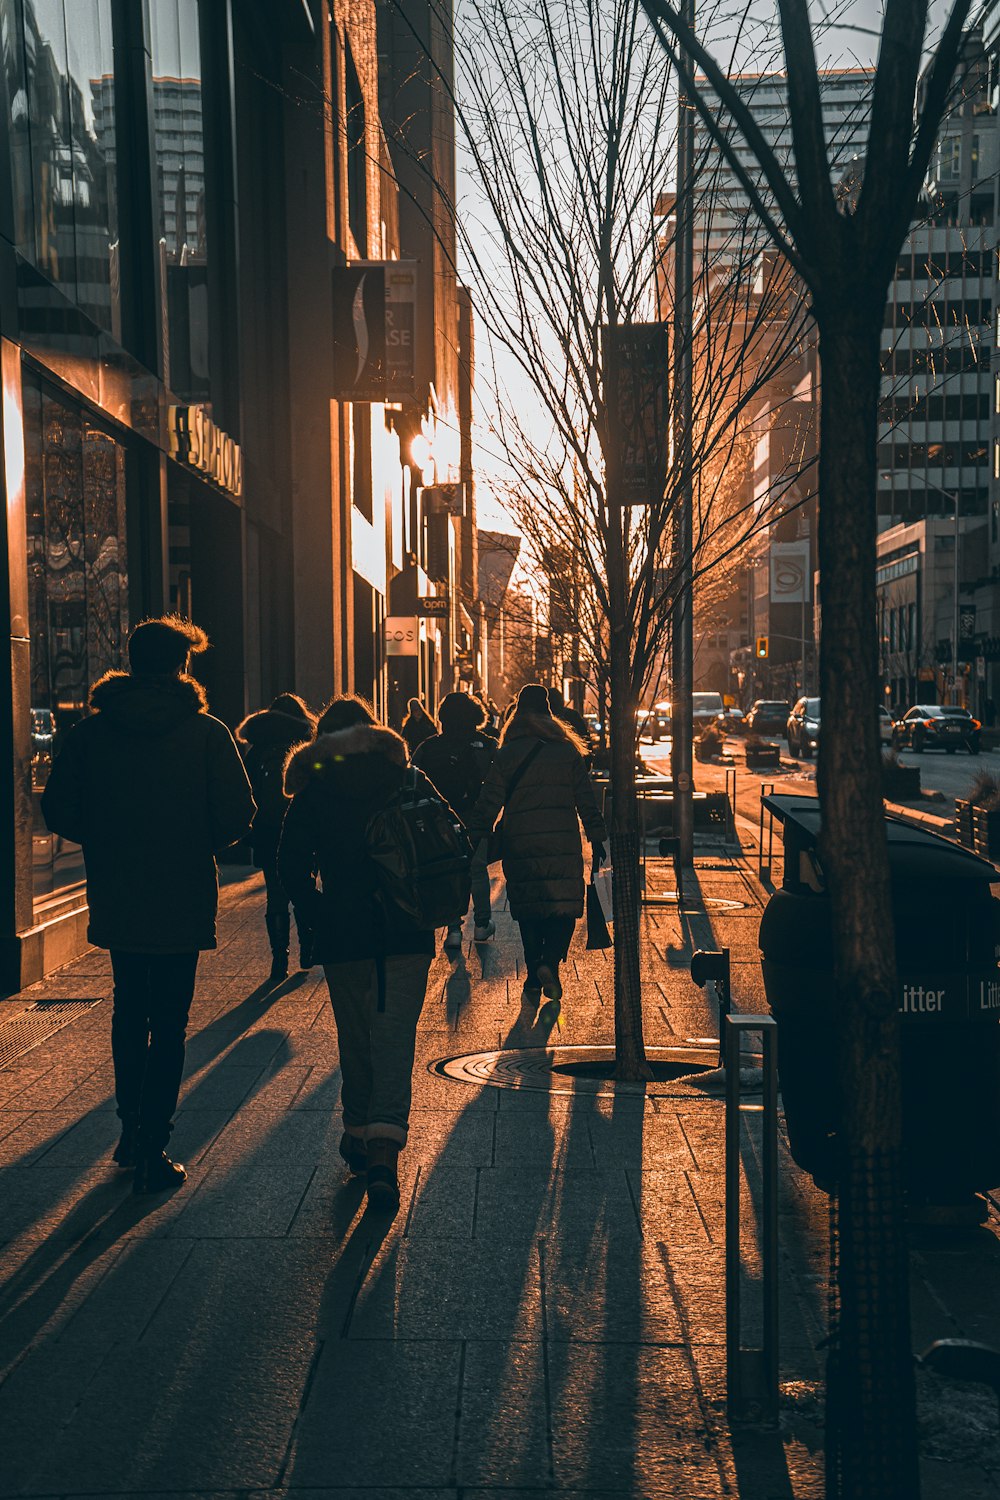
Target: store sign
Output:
[(374, 325), (635, 380), (789, 572), (196, 441), (434, 608), (402, 635)]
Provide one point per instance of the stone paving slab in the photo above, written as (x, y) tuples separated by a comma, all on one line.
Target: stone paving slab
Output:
[(545, 1314)]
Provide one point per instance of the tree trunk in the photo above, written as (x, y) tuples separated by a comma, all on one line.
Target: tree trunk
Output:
[(630, 1050), (871, 1429)]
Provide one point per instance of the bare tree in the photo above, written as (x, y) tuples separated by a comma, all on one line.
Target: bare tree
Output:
[(844, 248), (567, 113)]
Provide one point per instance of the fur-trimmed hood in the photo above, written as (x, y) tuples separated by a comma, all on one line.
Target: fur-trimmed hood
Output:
[(147, 705), (328, 753), (269, 728), (541, 727)]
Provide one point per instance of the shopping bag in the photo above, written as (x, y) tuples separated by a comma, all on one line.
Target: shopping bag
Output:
[(598, 935)]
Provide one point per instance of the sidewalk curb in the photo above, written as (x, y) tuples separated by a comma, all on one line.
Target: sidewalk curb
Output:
[(937, 824)]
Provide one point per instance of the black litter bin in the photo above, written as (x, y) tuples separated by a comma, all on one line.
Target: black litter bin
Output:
[(947, 926)]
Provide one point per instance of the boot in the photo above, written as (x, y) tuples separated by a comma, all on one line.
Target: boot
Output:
[(305, 945), (354, 1151), (156, 1173), (383, 1182), (126, 1151), (278, 931)]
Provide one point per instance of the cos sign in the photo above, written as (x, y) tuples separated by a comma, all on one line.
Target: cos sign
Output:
[(402, 635), (195, 440)]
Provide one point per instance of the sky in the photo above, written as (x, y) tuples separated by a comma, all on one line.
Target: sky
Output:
[(846, 35)]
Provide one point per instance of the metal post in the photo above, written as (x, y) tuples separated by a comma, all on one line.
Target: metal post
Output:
[(682, 634), (955, 625), (752, 1374)]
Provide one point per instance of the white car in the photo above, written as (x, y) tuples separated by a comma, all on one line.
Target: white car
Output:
[(884, 727)]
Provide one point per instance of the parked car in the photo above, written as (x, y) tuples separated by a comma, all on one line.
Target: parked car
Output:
[(885, 727), (802, 729), (654, 723), (937, 726), (706, 708), (733, 721), (768, 716)]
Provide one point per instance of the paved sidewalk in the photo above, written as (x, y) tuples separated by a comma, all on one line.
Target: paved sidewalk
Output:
[(544, 1315)]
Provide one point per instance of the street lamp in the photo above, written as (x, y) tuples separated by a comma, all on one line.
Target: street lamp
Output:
[(955, 499)]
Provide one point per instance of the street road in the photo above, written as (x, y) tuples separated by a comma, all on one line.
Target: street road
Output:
[(949, 774)]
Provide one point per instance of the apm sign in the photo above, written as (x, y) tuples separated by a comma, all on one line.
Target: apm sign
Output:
[(374, 327)]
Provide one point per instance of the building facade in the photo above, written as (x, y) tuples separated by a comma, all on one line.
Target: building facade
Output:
[(180, 180)]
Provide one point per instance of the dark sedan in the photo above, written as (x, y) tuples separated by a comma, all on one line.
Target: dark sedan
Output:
[(802, 728), (937, 726), (767, 716)]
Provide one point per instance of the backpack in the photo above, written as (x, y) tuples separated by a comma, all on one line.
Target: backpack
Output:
[(420, 856)]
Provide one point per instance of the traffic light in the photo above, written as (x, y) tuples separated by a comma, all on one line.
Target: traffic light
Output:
[(761, 651)]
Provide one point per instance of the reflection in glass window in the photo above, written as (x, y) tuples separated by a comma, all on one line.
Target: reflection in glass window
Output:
[(77, 588), (58, 59), (180, 173)]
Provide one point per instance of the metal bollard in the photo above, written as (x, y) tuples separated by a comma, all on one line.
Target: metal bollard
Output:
[(711, 966), (752, 1374), (764, 866), (671, 849)]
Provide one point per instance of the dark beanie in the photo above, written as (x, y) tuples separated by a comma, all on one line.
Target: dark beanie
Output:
[(533, 699)]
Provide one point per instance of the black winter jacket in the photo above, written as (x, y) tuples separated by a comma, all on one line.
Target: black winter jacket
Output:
[(337, 784), (152, 787), (542, 852), (269, 736), (457, 765)]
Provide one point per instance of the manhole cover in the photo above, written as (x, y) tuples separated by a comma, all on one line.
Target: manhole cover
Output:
[(693, 903), (583, 1070)]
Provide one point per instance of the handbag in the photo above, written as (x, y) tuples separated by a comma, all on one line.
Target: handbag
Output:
[(494, 844), (598, 935)]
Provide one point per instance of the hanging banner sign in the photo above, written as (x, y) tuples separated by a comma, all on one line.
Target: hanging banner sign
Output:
[(195, 440), (635, 390), (374, 330), (789, 572)]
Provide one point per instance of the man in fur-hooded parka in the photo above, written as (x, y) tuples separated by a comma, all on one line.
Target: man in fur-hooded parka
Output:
[(542, 853), (337, 784), (153, 788)]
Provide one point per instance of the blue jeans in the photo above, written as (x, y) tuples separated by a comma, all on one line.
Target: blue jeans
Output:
[(377, 1046)]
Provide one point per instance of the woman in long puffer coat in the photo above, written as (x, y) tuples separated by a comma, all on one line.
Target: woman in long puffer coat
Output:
[(540, 780), (267, 738)]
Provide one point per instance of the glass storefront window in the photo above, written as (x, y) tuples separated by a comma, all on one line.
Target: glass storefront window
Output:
[(77, 588), (58, 58), (180, 173)]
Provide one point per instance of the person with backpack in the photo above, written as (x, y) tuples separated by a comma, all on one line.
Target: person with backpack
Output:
[(456, 762), (153, 788), (374, 935), (417, 726), (269, 736), (540, 780)]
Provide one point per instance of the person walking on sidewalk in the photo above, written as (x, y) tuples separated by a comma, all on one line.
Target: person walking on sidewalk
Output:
[(456, 761), (269, 737), (417, 726), (540, 780), (375, 960), (153, 788)]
